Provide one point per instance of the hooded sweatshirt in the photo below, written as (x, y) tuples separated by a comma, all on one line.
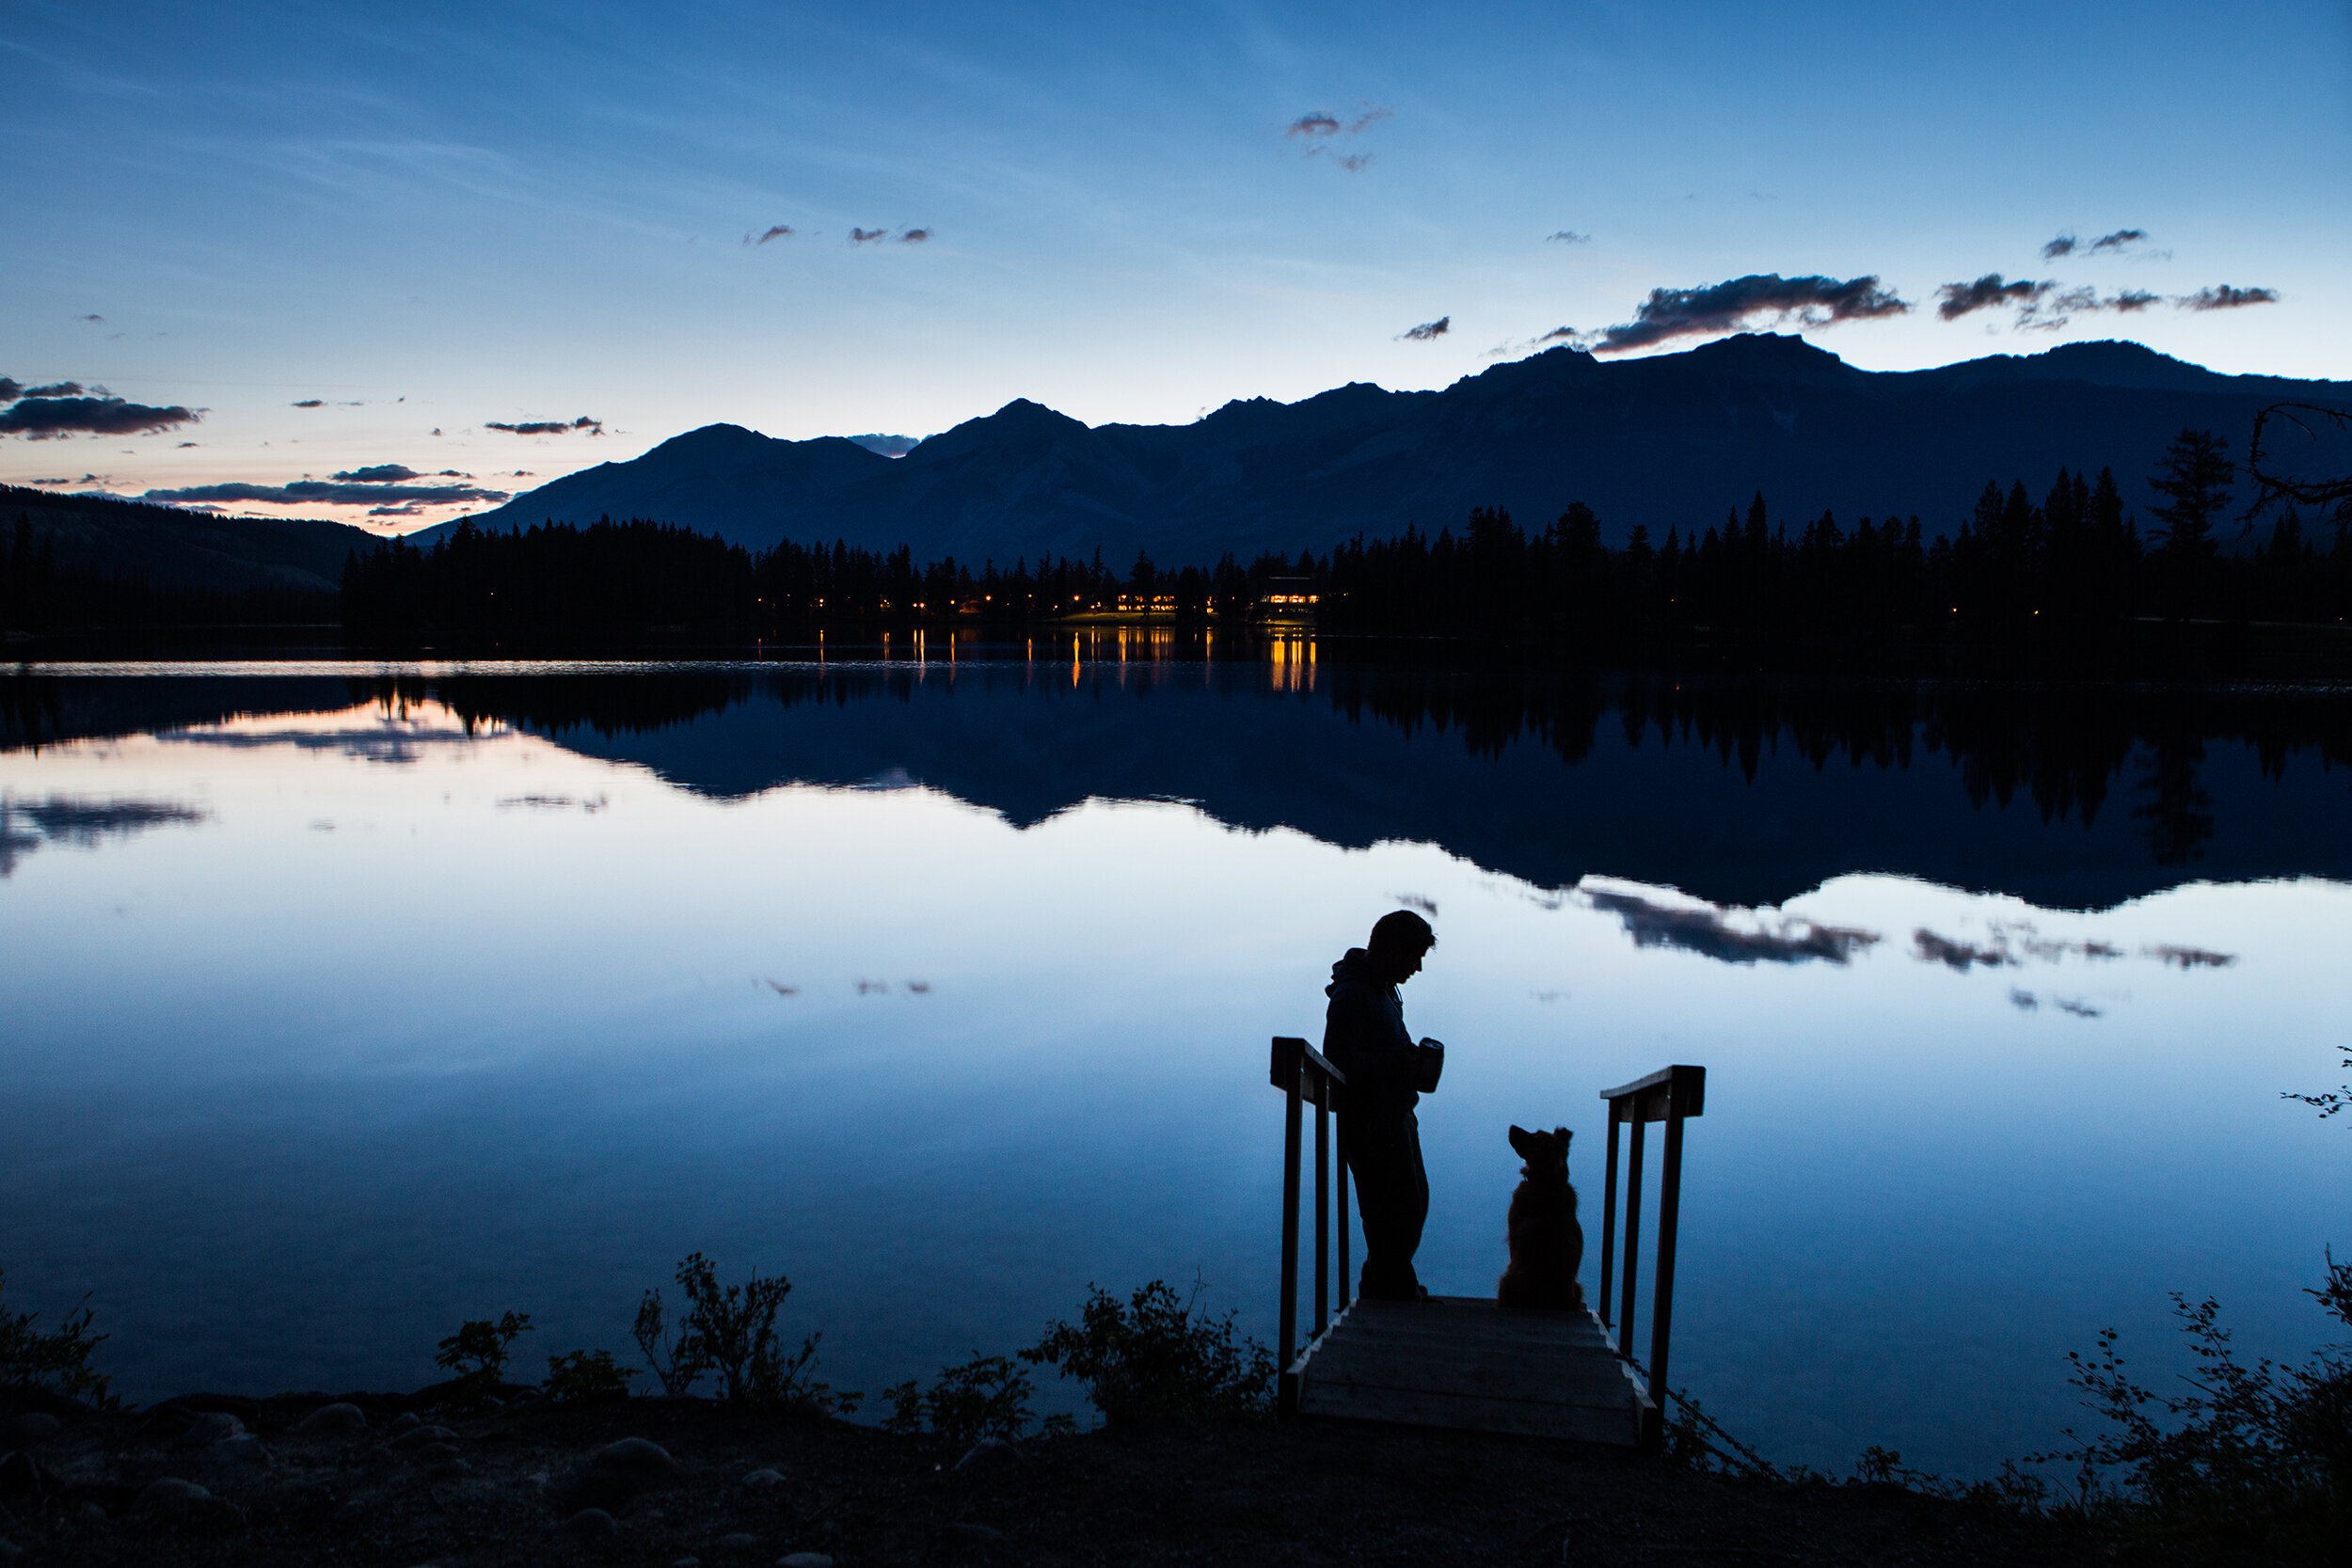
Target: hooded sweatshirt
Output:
[(1363, 1036)]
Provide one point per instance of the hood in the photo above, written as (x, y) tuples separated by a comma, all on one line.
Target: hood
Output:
[(1354, 969)]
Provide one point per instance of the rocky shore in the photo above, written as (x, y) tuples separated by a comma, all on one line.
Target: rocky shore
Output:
[(404, 1481)]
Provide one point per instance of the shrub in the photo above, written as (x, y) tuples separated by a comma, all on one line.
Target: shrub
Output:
[(987, 1398), (731, 1330), (676, 1359), (2255, 1463), (587, 1377), (1148, 1359), (57, 1359), (477, 1352)]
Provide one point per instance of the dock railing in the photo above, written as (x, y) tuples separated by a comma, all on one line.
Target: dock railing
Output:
[(1306, 1079), (1671, 1095)]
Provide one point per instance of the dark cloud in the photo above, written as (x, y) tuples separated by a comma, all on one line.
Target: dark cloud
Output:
[(2132, 300), (185, 446), (10, 389), (1427, 331), (1560, 335), (889, 446), (312, 403), (1355, 163), (89, 317), (914, 236), (39, 419), (546, 427), (1567, 236), (2191, 958), (2222, 297), (58, 389), (381, 473), (2024, 1001), (1958, 954), (2075, 1005), (1750, 301), (313, 492), (867, 237), (1987, 294), (2062, 245), (1710, 932), (1316, 123), (778, 231), (2118, 240)]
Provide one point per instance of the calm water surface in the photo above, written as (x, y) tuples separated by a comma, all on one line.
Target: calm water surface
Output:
[(345, 1002)]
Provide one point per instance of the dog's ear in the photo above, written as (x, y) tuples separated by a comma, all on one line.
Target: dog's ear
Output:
[(1523, 1142)]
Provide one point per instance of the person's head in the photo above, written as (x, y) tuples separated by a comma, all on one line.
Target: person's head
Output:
[(1398, 941)]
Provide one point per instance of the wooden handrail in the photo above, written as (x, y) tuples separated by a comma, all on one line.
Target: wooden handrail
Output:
[(1299, 1070), (1671, 1095)]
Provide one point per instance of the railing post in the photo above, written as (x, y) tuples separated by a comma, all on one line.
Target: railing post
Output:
[(1340, 1175), (1633, 1235), (1609, 1219), (1669, 1209), (1323, 1209), (1289, 1072)]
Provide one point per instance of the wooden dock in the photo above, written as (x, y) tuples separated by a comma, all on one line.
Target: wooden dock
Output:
[(1467, 1362), (1464, 1362)]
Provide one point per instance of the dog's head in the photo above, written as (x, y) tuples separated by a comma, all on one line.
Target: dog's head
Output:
[(1546, 1153)]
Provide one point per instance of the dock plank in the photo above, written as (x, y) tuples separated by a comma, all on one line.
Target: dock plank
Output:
[(1468, 1363)]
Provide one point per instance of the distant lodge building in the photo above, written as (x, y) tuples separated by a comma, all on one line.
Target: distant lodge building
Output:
[(1290, 599)]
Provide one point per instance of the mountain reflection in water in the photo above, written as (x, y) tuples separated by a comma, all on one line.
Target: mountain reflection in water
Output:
[(348, 1003), (1739, 792)]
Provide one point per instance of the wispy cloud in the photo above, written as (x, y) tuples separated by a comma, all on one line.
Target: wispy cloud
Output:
[(344, 490), (776, 231), (548, 427), (1736, 936), (2223, 297), (1758, 300), (867, 237), (1426, 331), (914, 236), (310, 402), (2119, 240), (49, 413), (2063, 246), (1567, 236), (1324, 133)]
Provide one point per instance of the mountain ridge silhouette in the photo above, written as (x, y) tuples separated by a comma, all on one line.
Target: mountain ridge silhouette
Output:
[(1666, 441)]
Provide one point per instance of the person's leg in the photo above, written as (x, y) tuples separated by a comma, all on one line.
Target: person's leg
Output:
[(1385, 1159), (1416, 1215)]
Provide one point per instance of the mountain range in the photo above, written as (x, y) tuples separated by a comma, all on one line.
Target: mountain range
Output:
[(1669, 441)]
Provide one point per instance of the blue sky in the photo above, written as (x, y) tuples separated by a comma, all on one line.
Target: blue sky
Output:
[(442, 217)]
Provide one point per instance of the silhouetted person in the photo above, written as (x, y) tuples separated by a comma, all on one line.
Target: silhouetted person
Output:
[(1363, 1036)]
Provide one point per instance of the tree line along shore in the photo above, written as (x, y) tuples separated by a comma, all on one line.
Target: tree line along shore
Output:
[(2080, 568)]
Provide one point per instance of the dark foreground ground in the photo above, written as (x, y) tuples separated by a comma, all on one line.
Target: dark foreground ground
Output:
[(510, 1487)]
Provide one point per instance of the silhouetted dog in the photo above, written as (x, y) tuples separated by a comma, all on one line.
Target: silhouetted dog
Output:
[(1547, 1243)]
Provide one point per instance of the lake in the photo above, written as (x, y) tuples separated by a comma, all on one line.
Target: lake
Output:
[(348, 1001)]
